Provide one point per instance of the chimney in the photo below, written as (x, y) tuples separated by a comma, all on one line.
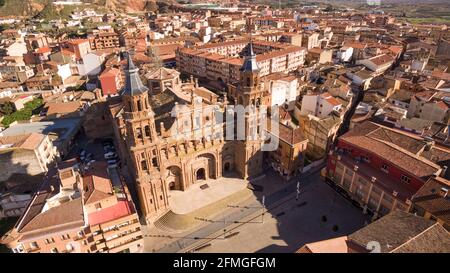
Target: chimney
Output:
[(444, 171), (429, 143), (196, 82), (443, 192)]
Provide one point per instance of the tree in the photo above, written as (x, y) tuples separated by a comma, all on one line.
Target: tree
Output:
[(329, 8), (7, 108), (163, 7)]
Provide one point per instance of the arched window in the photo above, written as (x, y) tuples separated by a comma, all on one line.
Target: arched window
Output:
[(139, 133), (139, 105), (144, 165), (147, 131)]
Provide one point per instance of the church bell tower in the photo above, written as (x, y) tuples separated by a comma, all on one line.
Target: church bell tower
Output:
[(249, 157)]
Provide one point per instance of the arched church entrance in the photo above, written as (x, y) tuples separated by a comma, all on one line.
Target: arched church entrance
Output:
[(201, 174), (174, 178)]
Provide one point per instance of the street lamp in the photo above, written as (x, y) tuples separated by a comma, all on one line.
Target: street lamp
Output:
[(263, 207), (224, 227)]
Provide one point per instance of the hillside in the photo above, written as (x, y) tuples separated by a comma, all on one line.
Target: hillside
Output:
[(22, 8), (44, 8)]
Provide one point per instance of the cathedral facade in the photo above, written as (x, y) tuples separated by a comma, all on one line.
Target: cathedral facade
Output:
[(175, 137)]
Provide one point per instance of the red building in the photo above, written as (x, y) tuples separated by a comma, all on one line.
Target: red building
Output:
[(382, 168), (111, 81)]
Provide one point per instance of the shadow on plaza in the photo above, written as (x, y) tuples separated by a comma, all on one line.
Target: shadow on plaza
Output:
[(306, 219)]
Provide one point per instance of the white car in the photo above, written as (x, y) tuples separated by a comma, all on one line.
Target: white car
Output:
[(110, 154)]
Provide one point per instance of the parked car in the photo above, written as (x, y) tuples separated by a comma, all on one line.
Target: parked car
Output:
[(112, 161), (111, 156), (109, 148)]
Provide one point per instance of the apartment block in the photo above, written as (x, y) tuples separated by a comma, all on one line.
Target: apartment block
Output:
[(221, 61), (78, 211), (29, 154)]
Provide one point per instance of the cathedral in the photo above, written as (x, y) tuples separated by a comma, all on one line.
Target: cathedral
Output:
[(166, 149)]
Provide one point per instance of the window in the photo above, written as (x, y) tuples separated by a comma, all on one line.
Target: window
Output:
[(385, 168), (147, 131), (34, 245), (349, 172), (362, 181), (98, 206), (360, 194), (139, 105), (20, 248), (405, 179), (376, 190), (139, 133), (373, 204), (155, 162), (49, 241), (65, 237), (54, 250), (144, 165)]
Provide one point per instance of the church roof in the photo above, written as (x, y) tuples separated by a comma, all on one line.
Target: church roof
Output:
[(133, 83), (163, 104), (250, 61)]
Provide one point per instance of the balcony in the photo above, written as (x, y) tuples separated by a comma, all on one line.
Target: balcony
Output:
[(131, 226), (124, 238), (33, 250), (131, 243)]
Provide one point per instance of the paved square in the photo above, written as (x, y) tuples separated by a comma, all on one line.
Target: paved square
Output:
[(288, 225), (295, 222)]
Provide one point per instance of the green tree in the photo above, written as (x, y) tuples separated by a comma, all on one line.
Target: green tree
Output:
[(7, 108), (329, 8)]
